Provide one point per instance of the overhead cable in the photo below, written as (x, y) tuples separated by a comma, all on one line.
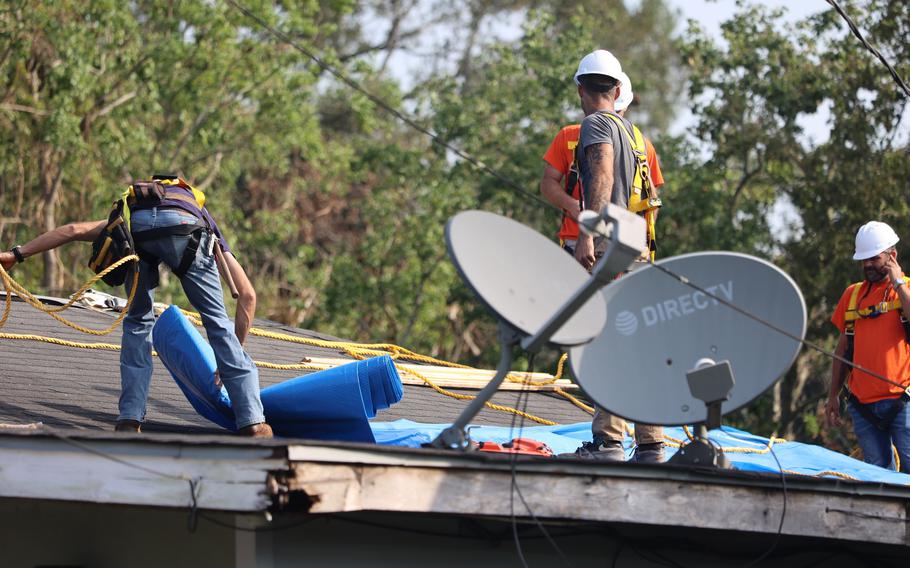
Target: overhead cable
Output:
[(853, 27)]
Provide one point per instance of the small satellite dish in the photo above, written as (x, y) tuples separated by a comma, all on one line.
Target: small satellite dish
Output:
[(658, 329), (522, 276)]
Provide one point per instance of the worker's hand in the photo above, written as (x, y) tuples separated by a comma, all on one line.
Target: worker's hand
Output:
[(893, 269), (832, 412), (7, 260), (584, 251), (573, 211)]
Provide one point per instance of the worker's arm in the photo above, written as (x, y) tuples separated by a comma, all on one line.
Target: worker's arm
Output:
[(551, 187), (600, 192), (903, 292), (839, 372), (84, 231), (246, 301)]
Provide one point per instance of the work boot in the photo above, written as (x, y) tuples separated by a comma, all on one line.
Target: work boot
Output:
[(128, 426), (598, 450), (649, 453), (261, 430)]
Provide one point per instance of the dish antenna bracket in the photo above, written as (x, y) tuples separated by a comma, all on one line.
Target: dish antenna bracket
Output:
[(711, 383)]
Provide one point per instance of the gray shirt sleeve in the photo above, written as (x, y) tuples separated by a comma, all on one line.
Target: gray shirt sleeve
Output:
[(596, 129)]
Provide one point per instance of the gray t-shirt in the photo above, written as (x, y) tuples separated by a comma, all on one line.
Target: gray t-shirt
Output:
[(598, 129)]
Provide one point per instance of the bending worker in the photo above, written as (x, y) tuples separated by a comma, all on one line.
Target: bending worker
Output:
[(872, 317), (198, 274)]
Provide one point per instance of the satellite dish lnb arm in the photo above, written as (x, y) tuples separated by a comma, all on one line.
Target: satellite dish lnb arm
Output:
[(627, 239)]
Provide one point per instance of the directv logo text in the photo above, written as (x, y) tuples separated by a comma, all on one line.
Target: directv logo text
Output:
[(627, 322)]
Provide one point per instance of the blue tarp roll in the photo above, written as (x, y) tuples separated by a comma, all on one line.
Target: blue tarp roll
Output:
[(794, 457), (191, 362), (334, 404)]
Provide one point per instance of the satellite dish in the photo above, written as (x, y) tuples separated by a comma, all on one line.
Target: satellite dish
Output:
[(658, 329), (522, 276)]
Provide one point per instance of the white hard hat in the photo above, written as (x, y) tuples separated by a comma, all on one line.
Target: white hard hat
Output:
[(625, 93), (872, 239), (599, 62)]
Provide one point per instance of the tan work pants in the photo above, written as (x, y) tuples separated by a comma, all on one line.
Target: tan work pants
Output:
[(606, 425), (613, 428)]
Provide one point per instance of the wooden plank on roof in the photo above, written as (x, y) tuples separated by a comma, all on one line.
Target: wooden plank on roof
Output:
[(459, 378)]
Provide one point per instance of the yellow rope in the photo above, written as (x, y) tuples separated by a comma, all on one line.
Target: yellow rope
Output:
[(358, 351), (355, 350), (734, 450), (12, 286)]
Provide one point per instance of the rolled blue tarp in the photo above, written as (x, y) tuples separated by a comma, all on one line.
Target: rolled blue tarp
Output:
[(191, 361), (334, 404)]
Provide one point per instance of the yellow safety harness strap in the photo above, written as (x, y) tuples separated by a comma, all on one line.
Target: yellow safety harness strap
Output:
[(850, 316), (853, 313), (642, 199)]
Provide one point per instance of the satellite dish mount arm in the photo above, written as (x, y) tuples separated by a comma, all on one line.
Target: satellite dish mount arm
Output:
[(456, 437)]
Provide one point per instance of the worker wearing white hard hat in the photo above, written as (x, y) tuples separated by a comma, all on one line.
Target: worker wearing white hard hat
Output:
[(625, 93), (873, 238), (598, 62), (606, 159), (872, 317)]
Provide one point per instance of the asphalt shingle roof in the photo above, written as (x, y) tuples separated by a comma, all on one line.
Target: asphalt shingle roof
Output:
[(79, 388)]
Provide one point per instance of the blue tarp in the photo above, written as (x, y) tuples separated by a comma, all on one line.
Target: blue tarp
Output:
[(744, 450), (334, 404)]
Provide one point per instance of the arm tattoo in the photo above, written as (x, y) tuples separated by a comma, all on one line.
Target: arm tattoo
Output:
[(600, 163)]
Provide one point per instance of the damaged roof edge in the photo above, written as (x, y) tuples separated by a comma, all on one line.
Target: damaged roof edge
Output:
[(241, 475)]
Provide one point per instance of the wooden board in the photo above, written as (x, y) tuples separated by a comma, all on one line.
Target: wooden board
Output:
[(457, 378)]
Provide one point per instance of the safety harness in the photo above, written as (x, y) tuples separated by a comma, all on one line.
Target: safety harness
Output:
[(642, 201), (572, 179), (117, 240), (854, 313)]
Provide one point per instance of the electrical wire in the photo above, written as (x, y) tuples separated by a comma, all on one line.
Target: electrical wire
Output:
[(513, 466), (685, 281), (477, 163), (195, 483), (855, 29), (783, 513)]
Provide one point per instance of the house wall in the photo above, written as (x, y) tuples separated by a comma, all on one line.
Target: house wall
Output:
[(61, 534), (76, 535), (364, 540)]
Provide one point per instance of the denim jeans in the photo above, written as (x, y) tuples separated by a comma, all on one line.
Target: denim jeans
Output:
[(875, 443), (202, 286)]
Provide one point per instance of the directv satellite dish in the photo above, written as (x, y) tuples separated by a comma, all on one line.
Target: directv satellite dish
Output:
[(658, 329), (521, 276)]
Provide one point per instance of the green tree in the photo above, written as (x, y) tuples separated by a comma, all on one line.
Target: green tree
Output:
[(749, 153)]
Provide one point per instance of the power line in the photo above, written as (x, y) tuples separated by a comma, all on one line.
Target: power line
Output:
[(853, 27), (479, 164)]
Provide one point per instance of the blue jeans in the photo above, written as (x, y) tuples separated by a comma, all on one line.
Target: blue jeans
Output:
[(203, 289), (875, 443)]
